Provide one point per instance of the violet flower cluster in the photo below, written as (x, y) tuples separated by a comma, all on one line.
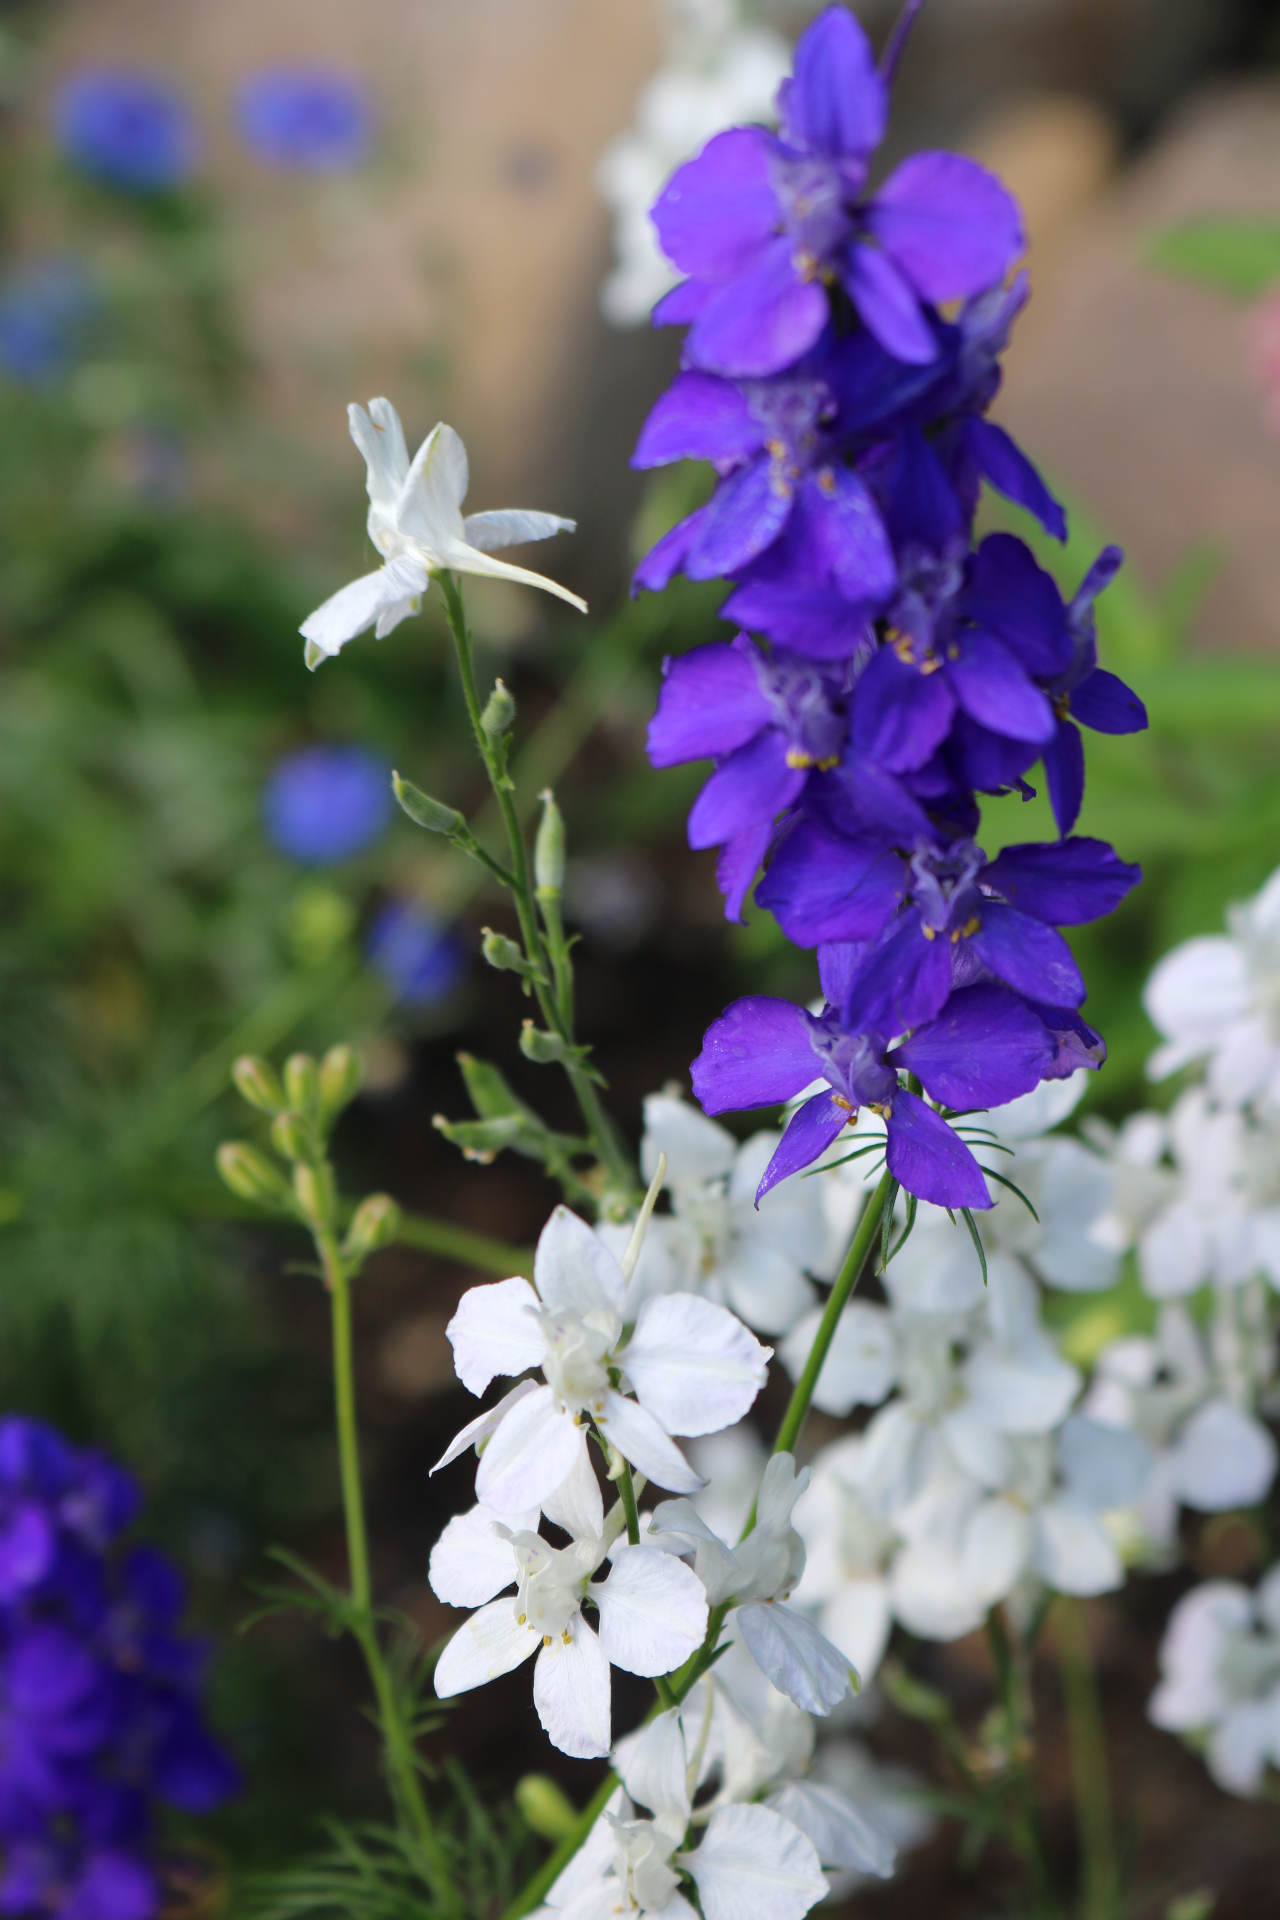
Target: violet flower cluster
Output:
[(889, 669), (100, 1703)]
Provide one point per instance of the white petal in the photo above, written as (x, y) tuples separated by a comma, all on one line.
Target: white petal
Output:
[(572, 1268), (495, 1331), (930, 1595), (470, 1563), (1223, 1458), (354, 608), (1104, 1466), (985, 1455), (653, 1611), (763, 1286), (754, 1865), (857, 1621), (380, 438), (489, 1643), (697, 1149), (531, 1455), (1194, 994), (861, 1365), (594, 1857), (995, 1549), (1073, 1552), (639, 1438), (1238, 1750), (799, 1660), (1175, 1254), (464, 559), (576, 1505), (780, 1488), (571, 1692), (428, 508), (390, 617), (511, 527), (1074, 1262), (679, 1523), (484, 1424), (1191, 1693), (842, 1835), (1046, 1106), (693, 1365), (655, 1767), (1026, 1391)]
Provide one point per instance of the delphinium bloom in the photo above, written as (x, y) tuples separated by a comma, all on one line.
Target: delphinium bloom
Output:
[(102, 1713), (312, 119), (1220, 1678), (419, 959), (45, 309), (125, 128), (416, 523), (890, 668), (326, 803)]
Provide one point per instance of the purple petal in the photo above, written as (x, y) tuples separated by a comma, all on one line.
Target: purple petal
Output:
[(1064, 771), (1075, 1043), (1006, 467), (719, 210), (861, 800), (761, 322), (738, 865), (1029, 956), (837, 102), (838, 964), (921, 506), (888, 305), (809, 1133), (1103, 702), (1100, 575), (1007, 594), (744, 515), (984, 1049), (113, 1886), (668, 556), (993, 689), (685, 303), (757, 1054), (819, 888), (1065, 882), (949, 225), (850, 534), (900, 715), (987, 760), (699, 417), (753, 785), (817, 622), (928, 1159), (28, 1547), (47, 1673), (710, 703), (904, 980)]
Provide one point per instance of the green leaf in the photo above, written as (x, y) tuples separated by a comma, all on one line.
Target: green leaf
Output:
[(974, 1236), (1240, 257), (1013, 1188)]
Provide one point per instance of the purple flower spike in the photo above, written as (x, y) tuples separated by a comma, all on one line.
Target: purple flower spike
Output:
[(1086, 693), (308, 119), (125, 128)]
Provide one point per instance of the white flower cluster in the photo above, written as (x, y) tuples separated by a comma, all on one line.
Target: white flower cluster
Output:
[(718, 73), (628, 1374)]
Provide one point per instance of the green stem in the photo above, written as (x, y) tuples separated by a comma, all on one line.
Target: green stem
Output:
[(1100, 1879), (401, 1759), (627, 1491), (846, 1280), (605, 1140), (555, 1863), (1023, 1826)]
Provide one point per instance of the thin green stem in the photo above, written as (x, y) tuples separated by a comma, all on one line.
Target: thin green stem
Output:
[(534, 1888), (1023, 1825), (627, 1492), (1100, 1876)]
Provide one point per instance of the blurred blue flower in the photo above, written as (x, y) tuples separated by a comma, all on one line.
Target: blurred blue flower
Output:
[(44, 310), (324, 804), (420, 960), (314, 119), (126, 128)]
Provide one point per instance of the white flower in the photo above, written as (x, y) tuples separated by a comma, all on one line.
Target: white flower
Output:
[(1220, 1662), (416, 523), (757, 1576), (718, 73), (1219, 999), (652, 1611), (693, 1367)]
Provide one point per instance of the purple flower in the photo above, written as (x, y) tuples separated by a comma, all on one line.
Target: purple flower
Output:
[(312, 119), (763, 224), (986, 1048), (125, 128), (44, 313), (1088, 693), (419, 960), (324, 804)]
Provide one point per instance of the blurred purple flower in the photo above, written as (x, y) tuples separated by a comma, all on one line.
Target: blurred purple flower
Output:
[(420, 960), (312, 119), (43, 312), (324, 804), (126, 128)]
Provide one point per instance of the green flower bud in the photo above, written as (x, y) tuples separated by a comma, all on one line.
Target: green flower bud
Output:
[(502, 953), (302, 1083), (258, 1082), (375, 1223), (548, 848), (316, 1194), (544, 1048), (339, 1080), (291, 1136), (428, 813), (544, 1806), (251, 1176), (481, 1140), (500, 710)]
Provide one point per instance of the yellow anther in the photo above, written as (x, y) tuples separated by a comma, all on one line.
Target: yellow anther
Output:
[(546, 1639), (930, 933), (827, 481), (1062, 705), (567, 1637), (521, 1619), (878, 1107), (953, 651), (838, 1100)]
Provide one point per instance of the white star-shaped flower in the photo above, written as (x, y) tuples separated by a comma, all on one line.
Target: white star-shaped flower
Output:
[(417, 525)]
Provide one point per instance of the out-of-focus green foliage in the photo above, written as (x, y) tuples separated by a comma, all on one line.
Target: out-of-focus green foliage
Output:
[(1239, 257)]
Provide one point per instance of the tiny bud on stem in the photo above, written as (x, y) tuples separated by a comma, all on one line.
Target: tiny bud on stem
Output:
[(500, 710), (426, 812), (339, 1080), (302, 1083), (258, 1082), (548, 848), (250, 1175), (375, 1224)]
